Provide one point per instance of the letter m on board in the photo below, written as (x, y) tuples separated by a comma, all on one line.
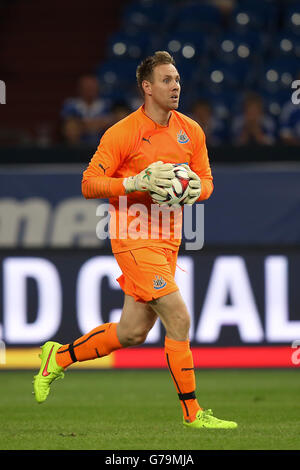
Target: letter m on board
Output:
[(2, 92)]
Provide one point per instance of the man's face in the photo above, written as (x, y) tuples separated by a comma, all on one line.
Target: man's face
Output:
[(88, 88), (253, 111), (164, 88), (202, 114)]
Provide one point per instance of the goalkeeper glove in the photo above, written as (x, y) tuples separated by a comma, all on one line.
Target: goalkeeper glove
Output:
[(194, 186), (155, 177)]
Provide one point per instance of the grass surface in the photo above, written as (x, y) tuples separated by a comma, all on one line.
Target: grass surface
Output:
[(140, 410)]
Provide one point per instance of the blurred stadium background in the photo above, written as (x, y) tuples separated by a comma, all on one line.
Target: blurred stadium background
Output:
[(57, 277)]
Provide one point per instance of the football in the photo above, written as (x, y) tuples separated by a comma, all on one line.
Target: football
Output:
[(177, 192)]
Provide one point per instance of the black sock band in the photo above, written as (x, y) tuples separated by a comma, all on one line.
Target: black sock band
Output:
[(187, 396), (72, 353)]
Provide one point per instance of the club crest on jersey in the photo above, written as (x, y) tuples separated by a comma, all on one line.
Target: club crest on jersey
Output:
[(182, 138), (159, 282)]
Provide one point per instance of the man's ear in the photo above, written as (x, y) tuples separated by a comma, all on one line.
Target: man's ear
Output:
[(147, 87)]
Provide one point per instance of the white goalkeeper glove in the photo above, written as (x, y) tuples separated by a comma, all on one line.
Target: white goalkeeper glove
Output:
[(194, 187), (155, 177)]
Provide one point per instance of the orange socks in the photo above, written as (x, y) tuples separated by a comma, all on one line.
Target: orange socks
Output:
[(180, 362), (103, 340), (97, 343)]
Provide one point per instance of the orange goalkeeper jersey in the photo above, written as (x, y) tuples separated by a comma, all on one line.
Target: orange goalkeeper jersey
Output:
[(126, 149)]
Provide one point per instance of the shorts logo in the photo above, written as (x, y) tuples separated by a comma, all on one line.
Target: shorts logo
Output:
[(159, 282), (182, 138)]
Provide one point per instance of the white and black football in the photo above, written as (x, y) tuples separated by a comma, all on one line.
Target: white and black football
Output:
[(177, 192)]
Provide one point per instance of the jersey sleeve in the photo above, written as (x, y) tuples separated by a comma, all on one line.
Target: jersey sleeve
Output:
[(98, 179), (199, 163)]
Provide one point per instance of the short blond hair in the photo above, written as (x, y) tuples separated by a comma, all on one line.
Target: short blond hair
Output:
[(144, 71)]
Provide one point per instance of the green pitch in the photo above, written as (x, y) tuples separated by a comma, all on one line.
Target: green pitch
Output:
[(140, 410)]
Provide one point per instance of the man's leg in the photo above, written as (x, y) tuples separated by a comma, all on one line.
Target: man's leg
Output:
[(136, 321), (174, 315)]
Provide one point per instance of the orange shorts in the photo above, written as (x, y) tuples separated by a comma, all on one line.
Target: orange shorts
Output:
[(148, 273)]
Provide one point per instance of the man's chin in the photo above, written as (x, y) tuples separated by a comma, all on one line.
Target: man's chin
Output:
[(175, 105)]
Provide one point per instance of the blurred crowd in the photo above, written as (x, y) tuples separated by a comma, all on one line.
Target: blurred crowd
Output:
[(86, 116), (239, 61)]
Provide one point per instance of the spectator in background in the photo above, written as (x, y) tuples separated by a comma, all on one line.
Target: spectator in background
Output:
[(86, 116), (253, 126), (289, 121), (119, 110), (213, 127)]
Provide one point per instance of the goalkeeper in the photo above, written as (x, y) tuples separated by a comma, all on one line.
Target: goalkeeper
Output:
[(136, 156)]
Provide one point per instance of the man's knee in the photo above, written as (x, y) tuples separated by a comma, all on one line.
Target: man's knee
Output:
[(173, 312), (182, 319), (179, 323), (132, 337)]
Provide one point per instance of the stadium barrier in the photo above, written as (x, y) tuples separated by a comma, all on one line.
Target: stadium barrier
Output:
[(59, 279), (244, 306)]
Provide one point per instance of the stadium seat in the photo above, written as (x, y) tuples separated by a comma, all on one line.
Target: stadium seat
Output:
[(197, 17), (255, 15), (292, 18), (129, 46), (221, 76), (248, 46), (224, 103), (187, 71), (274, 102), (146, 15), (286, 44), (186, 46), (278, 74), (116, 74)]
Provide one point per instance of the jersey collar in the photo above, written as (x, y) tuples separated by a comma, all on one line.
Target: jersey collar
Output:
[(148, 119)]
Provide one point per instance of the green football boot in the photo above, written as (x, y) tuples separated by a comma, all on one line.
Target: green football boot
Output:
[(205, 419), (49, 371)]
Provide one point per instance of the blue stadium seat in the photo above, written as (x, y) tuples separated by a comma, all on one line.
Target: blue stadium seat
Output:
[(222, 76), (278, 74), (197, 17), (116, 74), (146, 15), (129, 46), (255, 15), (224, 102), (274, 102), (286, 44), (186, 46), (188, 72), (292, 18), (247, 46)]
